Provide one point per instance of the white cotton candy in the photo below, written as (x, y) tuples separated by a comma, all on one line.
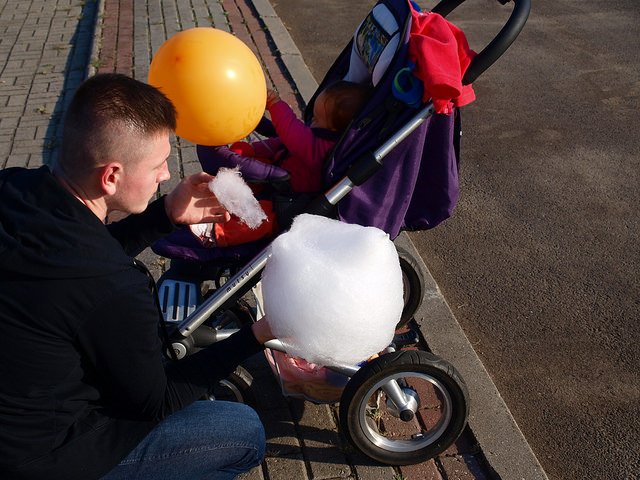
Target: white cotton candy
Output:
[(236, 196), (333, 291)]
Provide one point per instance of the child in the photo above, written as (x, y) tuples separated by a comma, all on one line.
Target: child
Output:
[(298, 152)]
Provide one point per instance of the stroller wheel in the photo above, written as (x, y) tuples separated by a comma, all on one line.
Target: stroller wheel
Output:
[(235, 388), (237, 316), (413, 285), (433, 416)]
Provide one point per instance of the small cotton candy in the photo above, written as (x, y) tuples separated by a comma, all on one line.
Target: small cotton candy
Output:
[(236, 196), (332, 291)]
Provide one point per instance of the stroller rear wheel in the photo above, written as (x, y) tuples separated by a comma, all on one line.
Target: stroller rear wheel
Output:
[(413, 286), (235, 388), (434, 415)]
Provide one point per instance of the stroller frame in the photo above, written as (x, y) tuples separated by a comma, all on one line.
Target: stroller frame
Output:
[(401, 400), (361, 171)]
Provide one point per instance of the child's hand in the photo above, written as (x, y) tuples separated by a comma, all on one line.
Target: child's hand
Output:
[(272, 97)]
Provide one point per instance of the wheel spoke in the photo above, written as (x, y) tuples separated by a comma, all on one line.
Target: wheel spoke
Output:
[(398, 435), (424, 385)]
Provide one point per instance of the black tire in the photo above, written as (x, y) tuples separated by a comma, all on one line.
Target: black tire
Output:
[(413, 286), (235, 388), (369, 421), (237, 316), (244, 313)]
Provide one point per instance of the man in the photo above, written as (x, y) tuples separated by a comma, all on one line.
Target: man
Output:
[(84, 390)]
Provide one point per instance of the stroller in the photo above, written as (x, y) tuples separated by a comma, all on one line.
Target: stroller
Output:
[(206, 294)]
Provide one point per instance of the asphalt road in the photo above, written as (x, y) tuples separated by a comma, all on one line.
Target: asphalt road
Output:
[(540, 261)]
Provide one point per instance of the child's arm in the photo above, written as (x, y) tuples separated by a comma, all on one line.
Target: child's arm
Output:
[(272, 98), (294, 134), (266, 149)]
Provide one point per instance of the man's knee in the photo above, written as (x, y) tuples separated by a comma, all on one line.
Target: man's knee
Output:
[(243, 427), (248, 436), (252, 427)]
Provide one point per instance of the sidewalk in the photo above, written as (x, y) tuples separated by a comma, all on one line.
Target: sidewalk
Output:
[(48, 48)]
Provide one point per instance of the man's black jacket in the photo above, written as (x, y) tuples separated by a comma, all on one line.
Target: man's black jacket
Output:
[(82, 378)]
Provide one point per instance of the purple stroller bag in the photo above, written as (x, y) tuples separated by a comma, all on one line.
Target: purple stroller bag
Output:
[(417, 187)]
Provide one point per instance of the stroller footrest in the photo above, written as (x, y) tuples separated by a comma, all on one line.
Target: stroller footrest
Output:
[(178, 299)]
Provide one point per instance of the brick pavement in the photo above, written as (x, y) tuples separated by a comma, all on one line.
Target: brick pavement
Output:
[(46, 50)]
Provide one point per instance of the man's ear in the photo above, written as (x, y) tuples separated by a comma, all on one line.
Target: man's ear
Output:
[(110, 176)]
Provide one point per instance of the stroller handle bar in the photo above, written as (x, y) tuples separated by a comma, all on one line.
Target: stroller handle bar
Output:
[(499, 44)]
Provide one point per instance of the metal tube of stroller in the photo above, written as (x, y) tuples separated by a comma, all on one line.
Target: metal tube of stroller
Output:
[(274, 344), (395, 393), (404, 132), (277, 345), (342, 188), (222, 295), (339, 191), (348, 370)]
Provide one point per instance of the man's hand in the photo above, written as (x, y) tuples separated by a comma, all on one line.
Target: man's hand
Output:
[(192, 202)]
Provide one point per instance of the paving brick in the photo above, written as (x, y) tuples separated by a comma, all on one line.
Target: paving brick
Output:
[(282, 437), (8, 122), (25, 134), (286, 467), (191, 168), (5, 148), (188, 153), (253, 474), (368, 469), (321, 442), (422, 471), (462, 467), (17, 160)]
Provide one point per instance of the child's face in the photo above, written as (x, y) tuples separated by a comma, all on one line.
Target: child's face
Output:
[(320, 112)]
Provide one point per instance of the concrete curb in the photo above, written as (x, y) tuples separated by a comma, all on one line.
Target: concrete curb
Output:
[(97, 35), (491, 422), (291, 57)]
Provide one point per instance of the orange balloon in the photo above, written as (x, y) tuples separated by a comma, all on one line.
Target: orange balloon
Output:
[(215, 82)]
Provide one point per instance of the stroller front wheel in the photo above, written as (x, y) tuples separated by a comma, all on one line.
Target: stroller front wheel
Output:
[(235, 388), (434, 415)]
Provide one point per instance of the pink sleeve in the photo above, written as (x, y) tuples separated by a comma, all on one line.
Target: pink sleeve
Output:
[(266, 148), (295, 135)]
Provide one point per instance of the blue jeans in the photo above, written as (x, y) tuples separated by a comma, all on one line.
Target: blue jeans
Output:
[(206, 440)]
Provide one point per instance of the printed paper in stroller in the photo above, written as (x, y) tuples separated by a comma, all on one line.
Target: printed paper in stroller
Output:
[(333, 291)]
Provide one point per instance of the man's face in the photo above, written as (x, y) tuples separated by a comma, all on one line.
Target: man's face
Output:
[(141, 177)]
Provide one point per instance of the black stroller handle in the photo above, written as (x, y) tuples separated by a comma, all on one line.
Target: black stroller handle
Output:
[(499, 44)]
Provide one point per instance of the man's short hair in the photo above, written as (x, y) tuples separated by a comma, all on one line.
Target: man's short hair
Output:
[(109, 118)]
